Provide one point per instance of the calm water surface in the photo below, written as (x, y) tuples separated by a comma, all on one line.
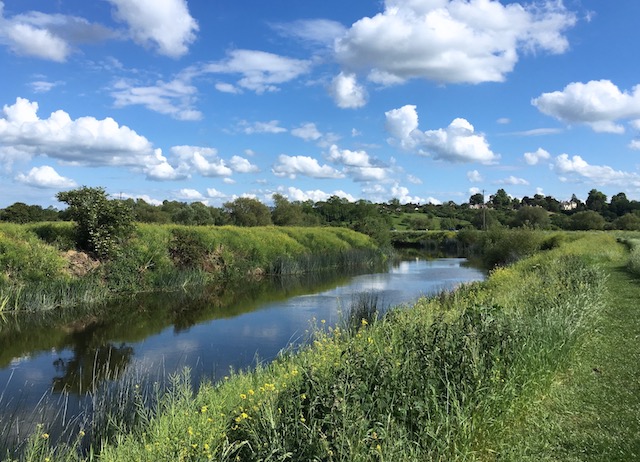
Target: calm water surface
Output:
[(211, 334)]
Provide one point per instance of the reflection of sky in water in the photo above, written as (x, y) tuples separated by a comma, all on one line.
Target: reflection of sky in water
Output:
[(211, 348)]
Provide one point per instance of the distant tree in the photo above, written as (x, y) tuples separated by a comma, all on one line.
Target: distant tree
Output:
[(476, 199), (629, 222), (500, 200), (20, 212), (586, 220), (620, 205), (245, 211), (531, 217), (101, 224), (597, 201), (285, 213)]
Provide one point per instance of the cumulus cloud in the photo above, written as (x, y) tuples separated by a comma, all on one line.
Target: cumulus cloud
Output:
[(292, 166), (188, 194), (175, 98), (145, 197), (48, 36), (84, 141), (316, 195), (456, 143), (599, 104), (346, 91), (451, 41), (474, 176), (635, 145), (166, 25), (514, 181), (272, 127), (601, 175), (308, 132), (203, 160), (358, 164), (42, 86), (260, 71), (45, 177), (241, 165), (402, 194), (532, 158)]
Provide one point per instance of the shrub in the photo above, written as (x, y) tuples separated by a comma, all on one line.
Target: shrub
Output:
[(101, 224)]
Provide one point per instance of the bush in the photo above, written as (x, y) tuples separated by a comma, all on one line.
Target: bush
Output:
[(101, 224)]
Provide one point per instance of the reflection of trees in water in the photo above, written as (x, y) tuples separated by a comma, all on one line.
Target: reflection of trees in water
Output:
[(94, 361)]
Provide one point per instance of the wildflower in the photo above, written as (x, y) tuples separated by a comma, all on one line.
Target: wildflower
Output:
[(81, 433), (251, 392), (243, 396), (45, 436), (190, 431), (204, 409), (364, 322)]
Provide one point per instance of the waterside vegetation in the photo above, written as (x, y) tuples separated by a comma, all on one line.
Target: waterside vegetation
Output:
[(41, 266), (473, 374)]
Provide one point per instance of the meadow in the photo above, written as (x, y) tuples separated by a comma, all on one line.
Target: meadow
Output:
[(506, 369)]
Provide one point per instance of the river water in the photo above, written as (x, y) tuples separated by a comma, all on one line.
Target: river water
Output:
[(211, 333)]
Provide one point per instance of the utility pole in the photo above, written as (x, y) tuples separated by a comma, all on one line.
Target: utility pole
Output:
[(484, 212)]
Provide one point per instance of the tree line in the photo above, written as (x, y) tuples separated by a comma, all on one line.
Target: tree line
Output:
[(375, 219)]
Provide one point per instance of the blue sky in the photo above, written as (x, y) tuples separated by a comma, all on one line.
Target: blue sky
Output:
[(419, 100)]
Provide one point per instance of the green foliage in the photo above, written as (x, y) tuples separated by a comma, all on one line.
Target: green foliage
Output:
[(586, 220), (245, 211), (531, 217), (102, 224), (501, 246)]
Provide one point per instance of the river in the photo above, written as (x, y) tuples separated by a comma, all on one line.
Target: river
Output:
[(46, 368)]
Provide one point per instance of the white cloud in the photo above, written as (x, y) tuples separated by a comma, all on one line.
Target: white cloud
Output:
[(45, 177), (413, 179), (166, 25), (315, 31), (145, 197), (451, 41), (635, 124), (48, 36), (532, 158), (175, 98), (346, 91), (191, 195), (456, 143), (295, 194), (227, 88), (308, 132), (261, 71), (474, 176), (84, 141), (357, 164), (635, 145), (514, 181), (241, 165), (539, 132), (42, 86), (203, 160), (577, 167), (272, 127), (598, 103), (504, 121), (402, 194), (291, 166), (215, 194)]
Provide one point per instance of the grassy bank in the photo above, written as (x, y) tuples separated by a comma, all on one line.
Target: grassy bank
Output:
[(462, 376), (39, 268)]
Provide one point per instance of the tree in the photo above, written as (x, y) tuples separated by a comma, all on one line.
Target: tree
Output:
[(597, 201), (500, 199), (102, 225), (286, 213), (620, 205), (586, 220), (531, 217), (245, 211), (476, 199), (23, 213), (629, 222)]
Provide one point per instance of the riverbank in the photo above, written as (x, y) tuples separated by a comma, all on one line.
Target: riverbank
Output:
[(458, 377), (40, 268)]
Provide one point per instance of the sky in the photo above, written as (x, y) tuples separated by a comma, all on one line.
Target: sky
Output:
[(416, 100)]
